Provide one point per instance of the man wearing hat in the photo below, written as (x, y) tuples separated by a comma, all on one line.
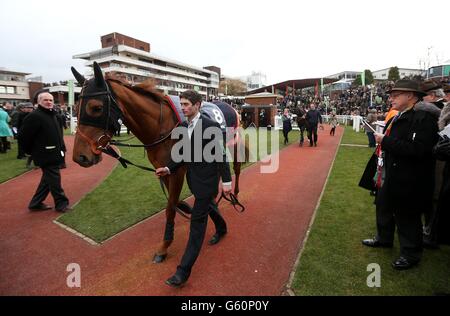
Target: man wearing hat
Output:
[(434, 92), (404, 177), (25, 109), (446, 89)]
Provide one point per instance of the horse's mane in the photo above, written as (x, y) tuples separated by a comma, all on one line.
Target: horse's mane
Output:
[(147, 87)]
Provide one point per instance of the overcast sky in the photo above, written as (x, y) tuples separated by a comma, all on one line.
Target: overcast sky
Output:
[(283, 39)]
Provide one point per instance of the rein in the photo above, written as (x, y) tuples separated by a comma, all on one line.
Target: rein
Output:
[(234, 202)]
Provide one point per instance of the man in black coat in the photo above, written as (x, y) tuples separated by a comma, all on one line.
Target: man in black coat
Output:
[(203, 175), (313, 118), (405, 174), (24, 110), (434, 92), (41, 137)]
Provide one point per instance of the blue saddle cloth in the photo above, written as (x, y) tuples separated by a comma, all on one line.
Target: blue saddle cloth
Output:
[(218, 111)]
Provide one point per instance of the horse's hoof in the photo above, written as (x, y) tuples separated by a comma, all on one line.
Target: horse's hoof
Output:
[(159, 258)]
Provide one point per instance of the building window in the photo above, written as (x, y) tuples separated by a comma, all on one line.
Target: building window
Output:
[(7, 90)]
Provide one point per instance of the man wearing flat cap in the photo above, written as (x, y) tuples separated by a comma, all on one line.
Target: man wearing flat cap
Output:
[(404, 177), (434, 92), (446, 89)]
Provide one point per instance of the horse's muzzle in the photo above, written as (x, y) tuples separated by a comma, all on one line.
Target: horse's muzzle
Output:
[(86, 163)]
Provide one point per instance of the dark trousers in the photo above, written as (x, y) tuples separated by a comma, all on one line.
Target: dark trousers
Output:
[(3, 144), (371, 138), (199, 221), (431, 215), (285, 134), (302, 130), (50, 183), (333, 130), (20, 151), (409, 228), (312, 134)]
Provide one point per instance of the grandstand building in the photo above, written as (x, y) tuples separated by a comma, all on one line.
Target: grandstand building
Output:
[(132, 59), (14, 87), (383, 74)]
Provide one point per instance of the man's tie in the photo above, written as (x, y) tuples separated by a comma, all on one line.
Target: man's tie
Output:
[(190, 128)]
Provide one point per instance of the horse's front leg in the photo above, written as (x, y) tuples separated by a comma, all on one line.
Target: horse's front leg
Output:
[(174, 187)]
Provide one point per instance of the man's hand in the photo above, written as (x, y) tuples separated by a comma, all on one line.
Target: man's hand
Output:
[(161, 172), (378, 137), (226, 188)]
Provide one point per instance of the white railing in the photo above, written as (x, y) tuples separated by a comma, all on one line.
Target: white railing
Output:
[(342, 119), (73, 126)]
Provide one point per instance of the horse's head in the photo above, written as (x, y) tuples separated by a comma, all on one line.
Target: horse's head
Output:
[(98, 118)]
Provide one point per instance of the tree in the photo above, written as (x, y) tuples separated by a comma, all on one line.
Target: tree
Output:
[(232, 87), (369, 76), (357, 82), (394, 74)]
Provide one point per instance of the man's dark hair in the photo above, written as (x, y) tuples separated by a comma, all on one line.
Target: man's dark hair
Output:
[(192, 96)]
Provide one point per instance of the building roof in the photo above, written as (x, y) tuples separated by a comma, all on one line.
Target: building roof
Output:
[(263, 95), (124, 48), (399, 68), (298, 84), (11, 72)]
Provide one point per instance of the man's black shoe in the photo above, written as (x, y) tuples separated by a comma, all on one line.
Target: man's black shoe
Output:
[(216, 238), (175, 281), (375, 243), (403, 264), (40, 207), (64, 210)]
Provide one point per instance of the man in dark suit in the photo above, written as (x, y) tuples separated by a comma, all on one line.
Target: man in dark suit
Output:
[(203, 175), (41, 137), (405, 174), (313, 118)]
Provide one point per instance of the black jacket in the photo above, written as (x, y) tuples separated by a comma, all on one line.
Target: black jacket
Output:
[(409, 162), (203, 176), (313, 118), (41, 137)]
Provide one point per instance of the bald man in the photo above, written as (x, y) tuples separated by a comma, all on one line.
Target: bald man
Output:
[(41, 137)]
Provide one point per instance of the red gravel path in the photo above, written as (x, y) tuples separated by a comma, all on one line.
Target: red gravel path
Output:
[(255, 258)]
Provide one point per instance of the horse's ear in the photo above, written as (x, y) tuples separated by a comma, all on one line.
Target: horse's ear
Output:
[(78, 76), (98, 75)]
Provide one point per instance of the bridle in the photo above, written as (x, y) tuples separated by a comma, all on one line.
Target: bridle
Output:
[(104, 141)]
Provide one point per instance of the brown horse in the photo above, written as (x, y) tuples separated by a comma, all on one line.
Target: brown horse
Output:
[(104, 103)]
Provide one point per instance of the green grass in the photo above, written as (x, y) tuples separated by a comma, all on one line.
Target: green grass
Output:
[(126, 197), (351, 137), (335, 263), (10, 166)]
